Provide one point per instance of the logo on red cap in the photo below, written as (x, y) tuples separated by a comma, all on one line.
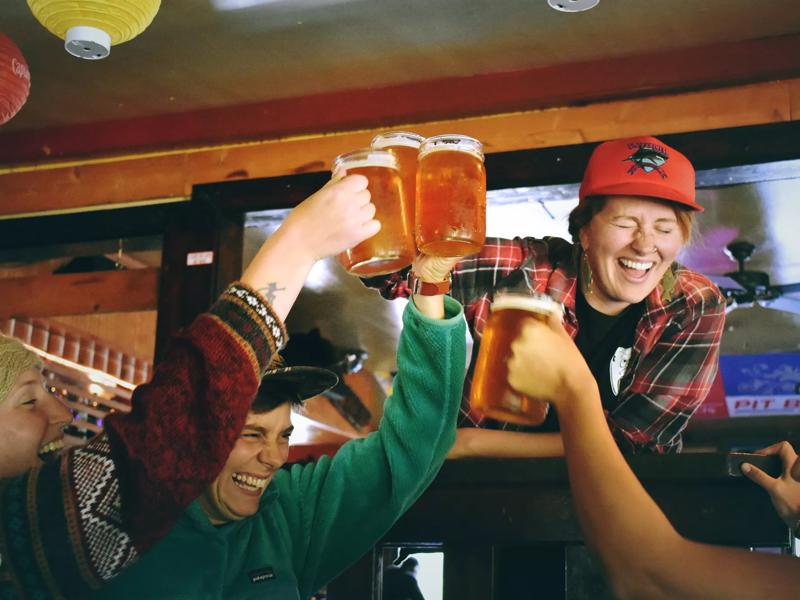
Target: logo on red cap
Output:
[(648, 157)]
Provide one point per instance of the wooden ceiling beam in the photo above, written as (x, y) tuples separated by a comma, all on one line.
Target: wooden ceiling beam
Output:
[(689, 69), (79, 293), (119, 181)]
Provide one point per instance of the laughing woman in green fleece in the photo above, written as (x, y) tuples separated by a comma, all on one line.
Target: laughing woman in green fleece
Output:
[(69, 523), (261, 531)]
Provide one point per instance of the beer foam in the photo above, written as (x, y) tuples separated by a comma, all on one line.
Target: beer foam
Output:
[(538, 303), (356, 164), (366, 157), (453, 143), (397, 138)]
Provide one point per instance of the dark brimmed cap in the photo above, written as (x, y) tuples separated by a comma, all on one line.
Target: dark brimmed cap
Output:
[(302, 382), (295, 384)]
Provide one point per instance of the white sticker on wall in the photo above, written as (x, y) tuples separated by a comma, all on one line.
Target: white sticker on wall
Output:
[(199, 258)]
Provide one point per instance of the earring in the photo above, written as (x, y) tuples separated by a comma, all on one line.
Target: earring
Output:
[(668, 282), (586, 274)]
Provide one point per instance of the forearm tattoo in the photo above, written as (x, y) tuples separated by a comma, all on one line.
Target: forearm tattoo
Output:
[(270, 290)]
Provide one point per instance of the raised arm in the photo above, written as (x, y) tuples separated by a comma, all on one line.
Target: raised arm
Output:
[(90, 515), (353, 498), (432, 269), (642, 553), (335, 218)]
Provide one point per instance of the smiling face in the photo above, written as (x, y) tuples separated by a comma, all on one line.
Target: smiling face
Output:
[(629, 244), (262, 449), (31, 423)]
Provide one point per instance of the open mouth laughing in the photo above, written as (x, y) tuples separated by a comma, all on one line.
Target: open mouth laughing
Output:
[(638, 269), (51, 449), (249, 482)]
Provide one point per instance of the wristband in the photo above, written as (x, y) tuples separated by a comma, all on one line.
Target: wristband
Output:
[(426, 288)]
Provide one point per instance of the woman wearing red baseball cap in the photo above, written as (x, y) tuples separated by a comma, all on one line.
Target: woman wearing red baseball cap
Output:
[(648, 327)]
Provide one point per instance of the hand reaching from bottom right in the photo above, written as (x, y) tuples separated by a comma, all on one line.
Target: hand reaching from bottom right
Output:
[(784, 491)]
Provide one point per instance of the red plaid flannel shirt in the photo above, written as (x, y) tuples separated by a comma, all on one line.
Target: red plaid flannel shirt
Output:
[(676, 347)]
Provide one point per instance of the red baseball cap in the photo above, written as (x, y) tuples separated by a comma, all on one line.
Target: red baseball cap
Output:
[(640, 166)]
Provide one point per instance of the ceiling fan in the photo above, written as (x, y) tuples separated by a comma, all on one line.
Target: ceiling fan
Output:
[(747, 288)]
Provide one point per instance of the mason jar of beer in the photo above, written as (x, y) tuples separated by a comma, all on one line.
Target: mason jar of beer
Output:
[(406, 146), (450, 215), (491, 394), (392, 248)]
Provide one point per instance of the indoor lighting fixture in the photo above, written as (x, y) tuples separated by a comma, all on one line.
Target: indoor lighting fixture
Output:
[(240, 4), (15, 79), (573, 5), (90, 27), (293, 5)]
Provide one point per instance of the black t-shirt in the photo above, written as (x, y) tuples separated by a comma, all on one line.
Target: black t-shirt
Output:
[(606, 343)]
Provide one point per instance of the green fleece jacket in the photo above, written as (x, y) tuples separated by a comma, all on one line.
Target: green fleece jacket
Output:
[(315, 520)]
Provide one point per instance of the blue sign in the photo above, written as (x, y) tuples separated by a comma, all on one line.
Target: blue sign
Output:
[(761, 384)]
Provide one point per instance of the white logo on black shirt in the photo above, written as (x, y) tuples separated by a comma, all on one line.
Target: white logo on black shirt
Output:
[(617, 367)]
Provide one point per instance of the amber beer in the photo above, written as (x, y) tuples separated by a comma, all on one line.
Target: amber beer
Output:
[(491, 394), (405, 146), (451, 196), (392, 248)]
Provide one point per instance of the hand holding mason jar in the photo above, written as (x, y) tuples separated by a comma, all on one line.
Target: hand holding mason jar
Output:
[(491, 392), (430, 195), (392, 248), (546, 363)]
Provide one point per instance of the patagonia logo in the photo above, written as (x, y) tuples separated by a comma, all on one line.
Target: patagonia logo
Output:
[(648, 158), (262, 574)]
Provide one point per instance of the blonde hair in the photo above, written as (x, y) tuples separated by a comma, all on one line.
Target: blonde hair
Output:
[(15, 359)]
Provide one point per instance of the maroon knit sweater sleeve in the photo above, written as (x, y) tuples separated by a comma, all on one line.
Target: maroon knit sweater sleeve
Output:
[(185, 421)]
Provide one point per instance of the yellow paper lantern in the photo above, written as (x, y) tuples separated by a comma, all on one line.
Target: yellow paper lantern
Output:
[(90, 27)]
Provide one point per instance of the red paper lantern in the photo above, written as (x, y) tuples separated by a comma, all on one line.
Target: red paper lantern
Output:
[(15, 79)]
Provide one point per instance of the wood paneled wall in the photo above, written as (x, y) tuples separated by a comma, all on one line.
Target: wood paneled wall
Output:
[(135, 332), (168, 175)]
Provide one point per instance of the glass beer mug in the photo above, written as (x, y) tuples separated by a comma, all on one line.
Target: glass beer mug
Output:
[(405, 146), (491, 393), (451, 196), (392, 248)]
